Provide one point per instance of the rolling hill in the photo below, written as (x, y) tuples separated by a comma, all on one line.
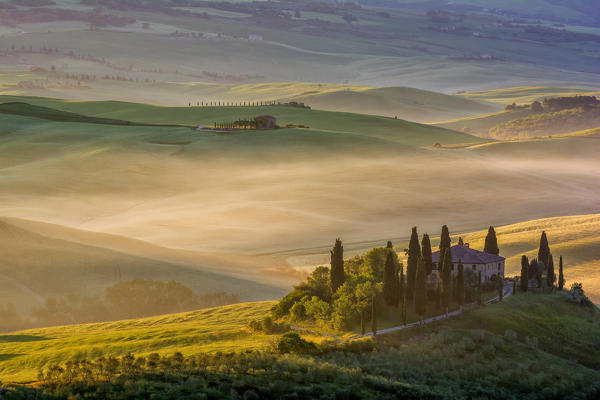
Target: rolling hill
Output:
[(35, 265), (405, 103), (208, 330)]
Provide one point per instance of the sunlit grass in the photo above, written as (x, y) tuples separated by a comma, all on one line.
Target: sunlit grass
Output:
[(208, 330)]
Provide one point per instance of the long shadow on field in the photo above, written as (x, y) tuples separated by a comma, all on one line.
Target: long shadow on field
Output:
[(21, 338)]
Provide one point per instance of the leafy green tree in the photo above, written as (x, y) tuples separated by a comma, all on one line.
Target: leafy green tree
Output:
[(445, 243), (524, 273), (374, 262), (479, 289), (414, 252), (491, 242), (391, 291), (460, 284), (550, 277), (337, 276), (447, 280), (427, 254), (421, 289), (561, 277), (544, 250)]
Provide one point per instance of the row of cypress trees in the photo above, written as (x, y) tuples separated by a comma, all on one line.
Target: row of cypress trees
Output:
[(544, 261), (399, 288)]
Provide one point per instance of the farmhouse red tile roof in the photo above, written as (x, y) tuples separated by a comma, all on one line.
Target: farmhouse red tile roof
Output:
[(469, 256)]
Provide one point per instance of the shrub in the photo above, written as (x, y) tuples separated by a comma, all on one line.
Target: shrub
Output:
[(291, 342), (577, 295)]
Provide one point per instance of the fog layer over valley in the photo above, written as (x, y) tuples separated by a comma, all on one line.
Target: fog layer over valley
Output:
[(263, 192)]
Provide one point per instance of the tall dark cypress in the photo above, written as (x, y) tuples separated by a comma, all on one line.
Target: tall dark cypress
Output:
[(362, 321), (399, 285), (524, 273), (500, 288), (390, 280), (336, 273), (404, 309), (374, 316), (550, 277), (460, 284), (414, 252), (447, 280), (491, 242), (420, 289), (479, 291), (544, 250), (445, 243), (561, 277), (427, 254)]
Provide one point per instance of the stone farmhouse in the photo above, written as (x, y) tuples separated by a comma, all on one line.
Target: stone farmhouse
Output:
[(488, 264)]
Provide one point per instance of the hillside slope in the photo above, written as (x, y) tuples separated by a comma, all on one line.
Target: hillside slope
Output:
[(208, 330), (508, 349), (34, 267), (405, 103)]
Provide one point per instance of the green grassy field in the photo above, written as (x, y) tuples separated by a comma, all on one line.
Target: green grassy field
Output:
[(208, 330), (561, 329)]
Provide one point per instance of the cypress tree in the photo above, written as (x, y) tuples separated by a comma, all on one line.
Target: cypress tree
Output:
[(550, 273), (479, 291), (414, 252), (453, 289), (544, 250), (390, 279), (420, 289), (399, 285), (362, 322), (404, 309), (500, 288), (445, 243), (491, 242), (561, 277), (389, 245), (336, 273), (524, 273), (460, 284), (373, 316), (460, 241), (427, 254), (514, 292), (447, 280)]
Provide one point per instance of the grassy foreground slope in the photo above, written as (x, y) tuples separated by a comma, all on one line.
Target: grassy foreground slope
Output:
[(533, 346), (209, 330)]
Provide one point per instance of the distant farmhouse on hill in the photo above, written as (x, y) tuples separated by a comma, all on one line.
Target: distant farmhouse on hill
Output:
[(488, 264)]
